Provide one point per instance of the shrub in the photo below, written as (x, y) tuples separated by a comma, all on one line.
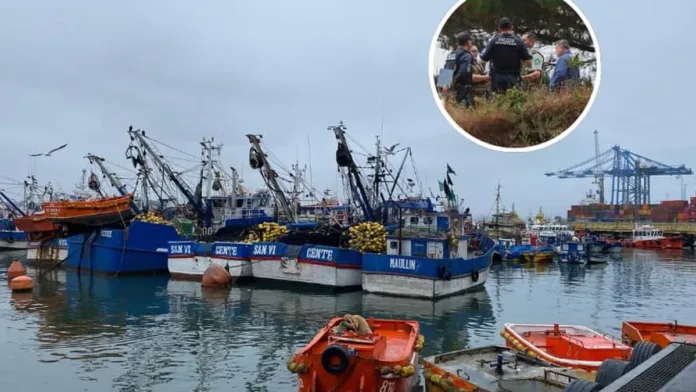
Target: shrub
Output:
[(522, 117)]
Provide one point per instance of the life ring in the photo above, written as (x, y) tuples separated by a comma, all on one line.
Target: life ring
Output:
[(327, 359), (474, 276), (444, 272)]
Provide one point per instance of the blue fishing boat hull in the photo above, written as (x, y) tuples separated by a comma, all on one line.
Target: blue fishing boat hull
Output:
[(141, 248), (425, 277), (13, 240)]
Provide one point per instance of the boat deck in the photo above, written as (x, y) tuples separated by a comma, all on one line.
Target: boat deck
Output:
[(478, 367)]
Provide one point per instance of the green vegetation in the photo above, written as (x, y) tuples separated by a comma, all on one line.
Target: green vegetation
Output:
[(550, 20), (522, 117)]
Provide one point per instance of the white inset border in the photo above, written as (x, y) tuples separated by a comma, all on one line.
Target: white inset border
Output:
[(598, 78)]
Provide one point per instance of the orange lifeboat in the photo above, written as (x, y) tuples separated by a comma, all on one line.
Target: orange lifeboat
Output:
[(662, 334), (570, 346), (354, 354), (58, 215)]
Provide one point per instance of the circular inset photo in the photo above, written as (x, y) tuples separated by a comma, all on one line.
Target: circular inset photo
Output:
[(514, 75)]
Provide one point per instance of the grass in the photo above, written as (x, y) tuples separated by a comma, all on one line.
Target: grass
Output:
[(522, 117)]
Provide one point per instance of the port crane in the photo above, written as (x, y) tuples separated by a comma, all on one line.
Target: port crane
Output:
[(630, 173)]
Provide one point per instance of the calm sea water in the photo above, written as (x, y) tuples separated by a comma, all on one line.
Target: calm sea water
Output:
[(155, 334)]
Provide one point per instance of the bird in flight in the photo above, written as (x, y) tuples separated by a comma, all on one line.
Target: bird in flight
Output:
[(48, 154)]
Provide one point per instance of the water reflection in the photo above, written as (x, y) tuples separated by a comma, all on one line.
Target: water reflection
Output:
[(151, 333)]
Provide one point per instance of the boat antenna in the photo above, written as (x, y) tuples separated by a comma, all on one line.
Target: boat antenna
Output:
[(309, 158)]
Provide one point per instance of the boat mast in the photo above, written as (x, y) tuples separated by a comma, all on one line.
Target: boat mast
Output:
[(344, 158), (139, 135), (270, 175), (115, 181), (497, 206)]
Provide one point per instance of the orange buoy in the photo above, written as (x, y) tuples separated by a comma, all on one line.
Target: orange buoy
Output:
[(22, 283), (16, 269), (215, 276)]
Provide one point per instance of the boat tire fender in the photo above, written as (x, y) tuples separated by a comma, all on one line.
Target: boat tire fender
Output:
[(611, 370), (327, 359), (642, 351), (580, 385), (474, 276), (9, 240), (444, 272)]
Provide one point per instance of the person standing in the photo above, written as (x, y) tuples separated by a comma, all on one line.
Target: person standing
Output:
[(563, 72), (460, 61), (506, 52), (532, 71), (479, 78)]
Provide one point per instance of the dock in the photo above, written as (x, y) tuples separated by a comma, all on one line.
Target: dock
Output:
[(627, 227)]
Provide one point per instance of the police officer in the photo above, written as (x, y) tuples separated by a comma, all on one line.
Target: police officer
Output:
[(506, 52), (460, 62), (532, 71)]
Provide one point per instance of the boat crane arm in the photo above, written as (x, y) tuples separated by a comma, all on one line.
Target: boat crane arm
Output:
[(139, 136), (115, 181), (353, 172), (10, 204)]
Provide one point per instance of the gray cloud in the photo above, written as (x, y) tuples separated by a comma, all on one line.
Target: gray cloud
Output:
[(81, 72)]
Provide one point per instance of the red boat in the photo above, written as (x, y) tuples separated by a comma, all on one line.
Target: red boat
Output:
[(59, 217), (662, 334), (571, 346), (354, 354), (650, 237)]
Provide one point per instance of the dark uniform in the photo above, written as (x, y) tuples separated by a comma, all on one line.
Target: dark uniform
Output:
[(460, 61), (506, 52)]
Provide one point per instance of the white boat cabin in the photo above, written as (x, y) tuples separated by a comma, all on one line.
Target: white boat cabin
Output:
[(507, 243), (433, 222), (647, 232), (550, 230), (431, 248)]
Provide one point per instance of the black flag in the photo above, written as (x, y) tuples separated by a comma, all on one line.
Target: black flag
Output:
[(449, 170)]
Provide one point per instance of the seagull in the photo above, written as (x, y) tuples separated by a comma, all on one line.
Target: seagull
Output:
[(48, 154), (390, 150)]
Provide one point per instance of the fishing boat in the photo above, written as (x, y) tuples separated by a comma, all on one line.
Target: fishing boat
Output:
[(188, 260), (353, 354), (662, 334), (502, 246), (597, 258), (311, 264), (540, 254), (429, 267), (572, 252), (571, 346), (493, 369)]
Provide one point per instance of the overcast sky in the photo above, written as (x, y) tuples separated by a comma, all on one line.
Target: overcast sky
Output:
[(82, 71)]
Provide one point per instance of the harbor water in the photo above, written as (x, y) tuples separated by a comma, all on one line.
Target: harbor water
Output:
[(85, 333)]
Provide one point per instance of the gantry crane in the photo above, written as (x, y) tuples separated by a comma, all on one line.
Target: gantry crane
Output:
[(630, 174)]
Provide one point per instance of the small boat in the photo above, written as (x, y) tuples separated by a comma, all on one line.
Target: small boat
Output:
[(495, 368), (650, 237), (597, 258), (613, 247), (61, 215), (540, 254), (354, 354), (515, 252), (503, 245), (572, 252), (662, 334), (570, 346)]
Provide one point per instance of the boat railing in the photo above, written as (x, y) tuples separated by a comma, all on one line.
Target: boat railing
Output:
[(568, 378)]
